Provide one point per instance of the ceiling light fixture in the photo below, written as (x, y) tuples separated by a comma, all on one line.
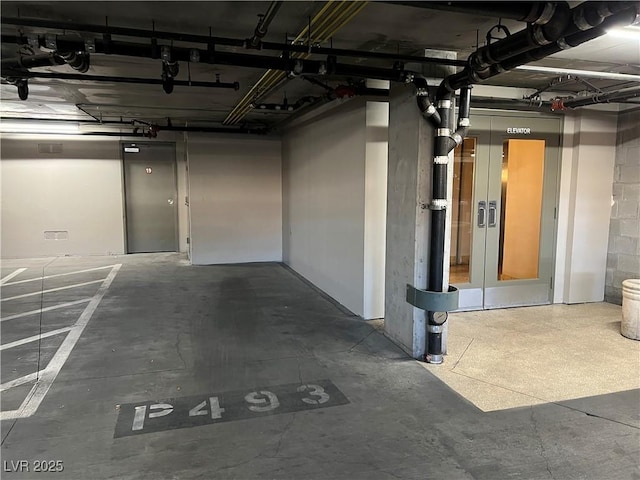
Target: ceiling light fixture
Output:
[(581, 73), (39, 128)]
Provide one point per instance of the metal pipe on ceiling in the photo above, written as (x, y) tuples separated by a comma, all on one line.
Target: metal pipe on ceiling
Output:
[(625, 17), (331, 17), (123, 31), (471, 74), (615, 97), (112, 79), (222, 41), (134, 123), (530, 12), (271, 78), (263, 25), (76, 59), (274, 65)]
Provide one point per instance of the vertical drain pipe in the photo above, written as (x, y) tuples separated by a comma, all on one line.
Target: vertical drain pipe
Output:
[(445, 142)]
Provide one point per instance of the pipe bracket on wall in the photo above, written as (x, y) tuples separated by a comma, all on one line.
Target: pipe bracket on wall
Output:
[(433, 301)]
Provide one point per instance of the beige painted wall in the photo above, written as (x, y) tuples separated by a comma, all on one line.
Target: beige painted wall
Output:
[(324, 165), (588, 159), (235, 199), (334, 193), (78, 191)]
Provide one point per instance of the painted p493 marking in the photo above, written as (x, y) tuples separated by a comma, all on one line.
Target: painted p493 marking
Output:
[(194, 411)]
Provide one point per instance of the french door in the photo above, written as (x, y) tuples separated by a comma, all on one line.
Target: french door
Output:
[(504, 212)]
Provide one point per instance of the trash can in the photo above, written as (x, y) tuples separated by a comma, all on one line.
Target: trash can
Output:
[(630, 326)]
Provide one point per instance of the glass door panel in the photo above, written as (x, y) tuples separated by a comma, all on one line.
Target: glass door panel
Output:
[(462, 212), (521, 209)]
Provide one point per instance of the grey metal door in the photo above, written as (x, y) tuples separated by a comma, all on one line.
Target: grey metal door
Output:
[(150, 197), (504, 222)]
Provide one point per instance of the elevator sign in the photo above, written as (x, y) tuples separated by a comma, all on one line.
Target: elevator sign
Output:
[(520, 130)]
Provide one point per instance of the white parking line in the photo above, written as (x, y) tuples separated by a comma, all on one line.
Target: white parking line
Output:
[(11, 275), (19, 381), (57, 275), (66, 287), (49, 374), (34, 338), (46, 309)]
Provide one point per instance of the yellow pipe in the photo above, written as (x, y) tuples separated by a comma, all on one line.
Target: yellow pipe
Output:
[(337, 15), (338, 22), (318, 21), (343, 18), (242, 108), (315, 26), (248, 97), (266, 77), (269, 79)]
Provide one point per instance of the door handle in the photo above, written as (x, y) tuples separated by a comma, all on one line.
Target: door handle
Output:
[(482, 214), (492, 213)]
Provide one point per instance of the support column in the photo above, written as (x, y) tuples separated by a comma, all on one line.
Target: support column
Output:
[(408, 195), (409, 187)]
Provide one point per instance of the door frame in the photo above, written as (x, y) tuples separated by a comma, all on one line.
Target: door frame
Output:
[(480, 292), (122, 143)]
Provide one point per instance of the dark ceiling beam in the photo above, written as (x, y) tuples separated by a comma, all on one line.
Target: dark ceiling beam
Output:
[(211, 41), (112, 79)]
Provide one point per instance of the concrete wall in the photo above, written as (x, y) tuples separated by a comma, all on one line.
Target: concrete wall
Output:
[(410, 153), (78, 191), (584, 205), (235, 197), (334, 171), (623, 256)]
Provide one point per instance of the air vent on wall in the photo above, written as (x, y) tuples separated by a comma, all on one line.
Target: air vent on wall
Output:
[(49, 148), (56, 235)]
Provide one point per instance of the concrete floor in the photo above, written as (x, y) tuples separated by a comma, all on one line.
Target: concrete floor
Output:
[(518, 357), (246, 372)]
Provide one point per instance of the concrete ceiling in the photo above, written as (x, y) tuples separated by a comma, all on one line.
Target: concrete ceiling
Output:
[(379, 27)]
